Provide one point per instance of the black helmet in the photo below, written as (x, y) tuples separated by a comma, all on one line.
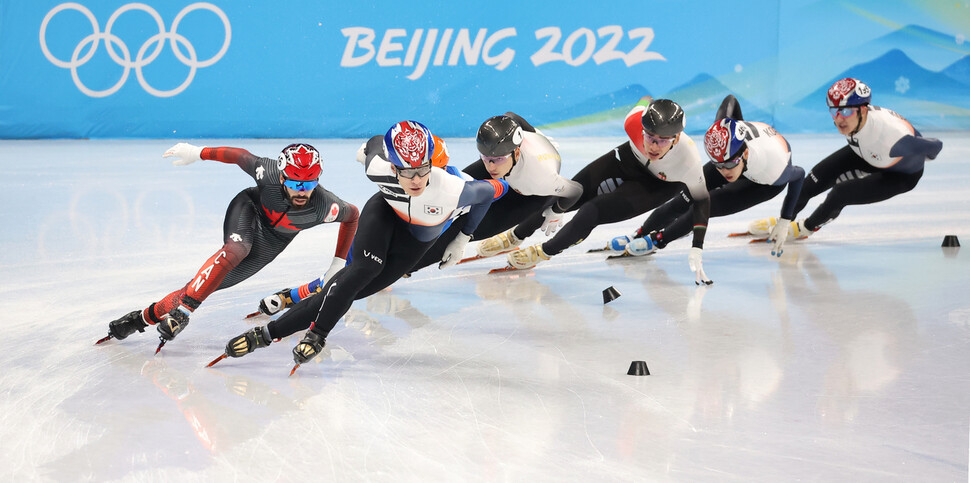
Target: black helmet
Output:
[(499, 136), (663, 118)]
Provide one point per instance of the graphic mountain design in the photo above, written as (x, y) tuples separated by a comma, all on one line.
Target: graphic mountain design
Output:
[(895, 74), (959, 71)]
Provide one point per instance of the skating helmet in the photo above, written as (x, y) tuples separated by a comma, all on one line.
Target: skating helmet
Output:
[(440, 156), (300, 162), (725, 140), (848, 92), (663, 118), (498, 136), (409, 144)]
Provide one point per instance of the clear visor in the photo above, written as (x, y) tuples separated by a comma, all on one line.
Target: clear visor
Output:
[(410, 173)]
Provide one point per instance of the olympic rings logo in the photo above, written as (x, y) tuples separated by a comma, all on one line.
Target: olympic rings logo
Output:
[(141, 59)]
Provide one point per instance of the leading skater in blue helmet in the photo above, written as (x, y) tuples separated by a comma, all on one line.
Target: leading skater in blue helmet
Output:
[(884, 158)]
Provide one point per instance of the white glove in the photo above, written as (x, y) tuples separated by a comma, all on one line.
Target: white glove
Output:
[(361, 156), (185, 152), (455, 250), (778, 235), (335, 266), (552, 221), (694, 260)]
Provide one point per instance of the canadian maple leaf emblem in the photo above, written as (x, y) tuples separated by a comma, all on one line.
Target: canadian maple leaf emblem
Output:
[(279, 219)]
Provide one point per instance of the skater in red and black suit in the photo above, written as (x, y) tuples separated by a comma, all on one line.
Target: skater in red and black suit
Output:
[(260, 222)]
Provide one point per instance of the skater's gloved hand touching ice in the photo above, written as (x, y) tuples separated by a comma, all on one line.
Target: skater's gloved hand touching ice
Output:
[(455, 250), (694, 260), (551, 221), (778, 236)]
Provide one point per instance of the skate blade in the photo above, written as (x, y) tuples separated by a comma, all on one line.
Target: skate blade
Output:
[(254, 314), (509, 268), (598, 250), (469, 259), (765, 239), (217, 359), (740, 233), (627, 255), (293, 371), (103, 339), (479, 257), (160, 345)]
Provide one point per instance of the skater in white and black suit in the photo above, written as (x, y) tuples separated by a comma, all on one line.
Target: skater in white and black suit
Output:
[(657, 162), (510, 148), (884, 158), (750, 164)]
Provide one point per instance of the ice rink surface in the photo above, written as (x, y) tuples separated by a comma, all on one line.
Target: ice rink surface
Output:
[(847, 359)]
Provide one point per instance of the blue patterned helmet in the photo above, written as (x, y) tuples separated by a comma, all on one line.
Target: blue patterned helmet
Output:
[(409, 144), (724, 140), (848, 92)]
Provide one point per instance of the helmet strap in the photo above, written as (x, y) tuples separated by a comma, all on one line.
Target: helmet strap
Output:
[(858, 126), (513, 163)]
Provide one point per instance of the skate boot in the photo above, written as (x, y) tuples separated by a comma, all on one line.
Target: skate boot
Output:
[(618, 244), (127, 325), (657, 238), (639, 247), (527, 257), (796, 230), (309, 347), (762, 227), (248, 341), (502, 242), (276, 302), (173, 323)]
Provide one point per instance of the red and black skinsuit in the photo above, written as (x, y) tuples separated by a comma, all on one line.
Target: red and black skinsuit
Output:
[(260, 222)]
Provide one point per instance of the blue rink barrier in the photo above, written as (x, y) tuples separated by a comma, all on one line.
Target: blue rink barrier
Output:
[(108, 69)]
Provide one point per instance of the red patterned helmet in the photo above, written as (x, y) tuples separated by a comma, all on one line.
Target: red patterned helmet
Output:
[(300, 162), (848, 92)]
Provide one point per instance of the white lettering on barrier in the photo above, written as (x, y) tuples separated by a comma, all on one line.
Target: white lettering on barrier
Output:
[(354, 40), (500, 61), (605, 53), (426, 47), (389, 46)]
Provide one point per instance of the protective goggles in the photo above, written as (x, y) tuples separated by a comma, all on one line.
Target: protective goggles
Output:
[(731, 163), (300, 185), (842, 111), (659, 141), (496, 159), (410, 173)]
